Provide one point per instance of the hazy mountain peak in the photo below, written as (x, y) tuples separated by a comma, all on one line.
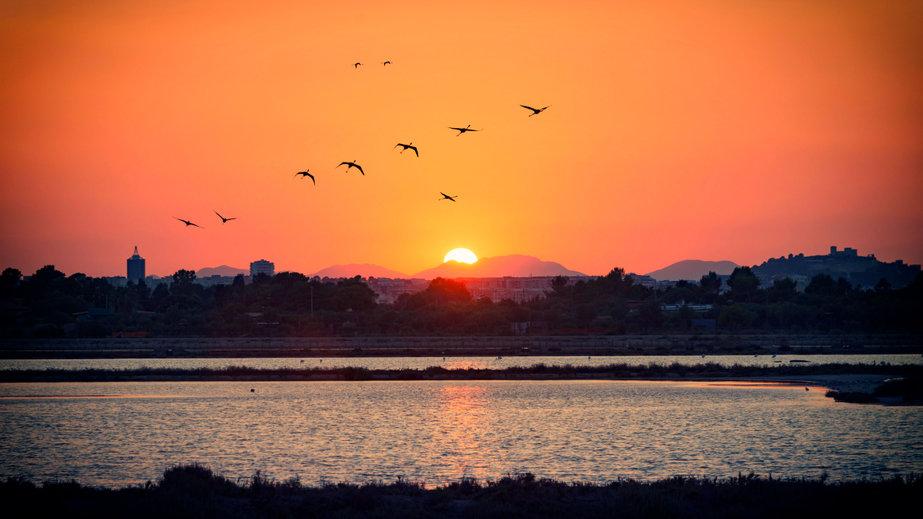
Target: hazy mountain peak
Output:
[(221, 270), (365, 270), (513, 265), (692, 270)]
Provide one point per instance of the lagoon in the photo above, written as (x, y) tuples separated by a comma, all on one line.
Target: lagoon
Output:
[(440, 431)]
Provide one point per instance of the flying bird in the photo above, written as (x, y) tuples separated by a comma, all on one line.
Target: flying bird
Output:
[(463, 130), (535, 111), (351, 164), (450, 198), (405, 147), (385, 62), (307, 173), (188, 223), (223, 219), (357, 64)]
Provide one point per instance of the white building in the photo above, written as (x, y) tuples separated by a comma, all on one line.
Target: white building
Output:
[(262, 267)]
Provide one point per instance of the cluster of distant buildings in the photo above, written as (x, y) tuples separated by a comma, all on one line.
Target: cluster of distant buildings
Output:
[(136, 271), (862, 271), (518, 289)]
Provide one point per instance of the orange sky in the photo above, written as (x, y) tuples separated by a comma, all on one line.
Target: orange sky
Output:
[(712, 130)]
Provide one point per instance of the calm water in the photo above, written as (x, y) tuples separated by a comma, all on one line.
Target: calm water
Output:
[(451, 362), (438, 431)]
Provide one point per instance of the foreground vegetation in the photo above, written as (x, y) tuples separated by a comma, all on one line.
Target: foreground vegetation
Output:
[(194, 491), (52, 304)]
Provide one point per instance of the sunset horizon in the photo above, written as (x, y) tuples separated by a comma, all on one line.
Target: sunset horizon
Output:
[(118, 119), (117, 268)]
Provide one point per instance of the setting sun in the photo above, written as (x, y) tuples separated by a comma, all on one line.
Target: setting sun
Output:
[(461, 255)]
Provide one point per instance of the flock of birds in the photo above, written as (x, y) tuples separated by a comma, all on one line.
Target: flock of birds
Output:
[(353, 164)]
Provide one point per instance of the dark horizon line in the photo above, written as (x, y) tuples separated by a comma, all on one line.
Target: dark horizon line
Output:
[(404, 275)]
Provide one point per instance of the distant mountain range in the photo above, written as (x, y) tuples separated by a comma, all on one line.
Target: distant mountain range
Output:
[(222, 270), (515, 265), (692, 270), (366, 270), (863, 271)]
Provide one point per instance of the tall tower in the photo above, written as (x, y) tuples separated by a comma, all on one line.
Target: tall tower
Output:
[(135, 267)]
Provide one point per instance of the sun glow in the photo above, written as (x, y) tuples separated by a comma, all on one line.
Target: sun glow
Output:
[(461, 255)]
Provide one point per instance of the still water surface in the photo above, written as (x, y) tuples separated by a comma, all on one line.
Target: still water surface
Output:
[(453, 362), (440, 431)]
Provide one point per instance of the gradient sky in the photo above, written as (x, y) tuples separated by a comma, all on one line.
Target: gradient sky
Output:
[(711, 130)]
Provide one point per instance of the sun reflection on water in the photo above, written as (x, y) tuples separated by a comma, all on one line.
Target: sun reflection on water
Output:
[(463, 418)]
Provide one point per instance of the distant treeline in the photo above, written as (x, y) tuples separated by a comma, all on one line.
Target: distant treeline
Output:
[(195, 491), (52, 304)]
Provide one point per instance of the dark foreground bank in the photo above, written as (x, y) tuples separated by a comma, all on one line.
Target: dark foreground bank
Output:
[(194, 491)]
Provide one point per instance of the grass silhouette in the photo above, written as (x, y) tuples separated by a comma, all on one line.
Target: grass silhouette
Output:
[(195, 491)]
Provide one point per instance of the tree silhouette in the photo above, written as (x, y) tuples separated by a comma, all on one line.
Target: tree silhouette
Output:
[(711, 284), (10, 280), (744, 284), (782, 290)]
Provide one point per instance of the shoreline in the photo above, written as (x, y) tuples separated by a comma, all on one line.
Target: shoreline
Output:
[(852, 383), (861, 381), (707, 371)]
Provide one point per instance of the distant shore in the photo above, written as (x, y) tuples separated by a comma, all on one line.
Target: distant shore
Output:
[(655, 344), (195, 491)]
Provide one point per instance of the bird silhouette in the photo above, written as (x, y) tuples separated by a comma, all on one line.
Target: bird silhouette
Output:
[(188, 223), (307, 173), (357, 64), (223, 219), (351, 164), (450, 198), (535, 111), (405, 147), (463, 130), (385, 62)]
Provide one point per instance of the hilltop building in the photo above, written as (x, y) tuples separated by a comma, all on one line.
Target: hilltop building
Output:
[(262, 267), (860, 271), (847, 252), (135, 265)]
